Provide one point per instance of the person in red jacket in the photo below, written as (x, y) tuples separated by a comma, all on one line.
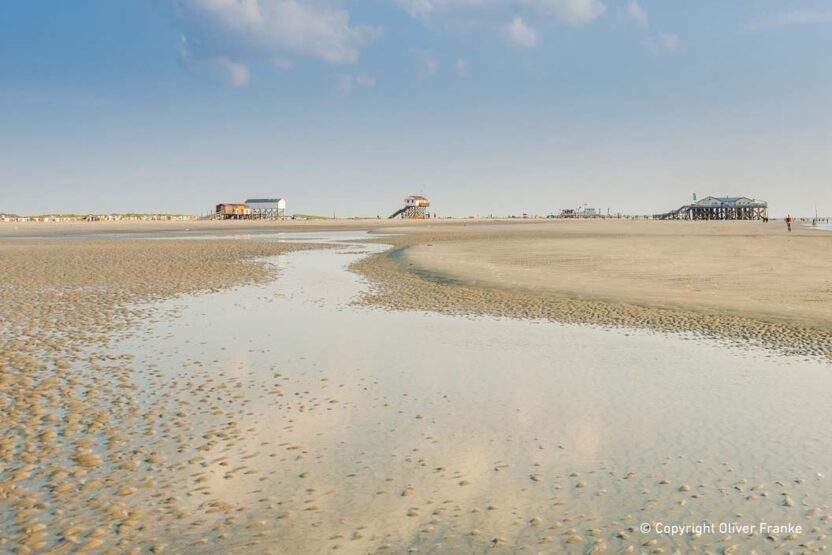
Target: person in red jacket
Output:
[(789, 222)]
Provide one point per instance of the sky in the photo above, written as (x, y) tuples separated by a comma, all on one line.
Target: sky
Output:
[(347, 106)]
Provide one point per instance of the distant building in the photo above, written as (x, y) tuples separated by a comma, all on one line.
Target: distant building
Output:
[(725, 201), (415, 208), (232, 211), (719, 208), (267, 208), (584, 212), (416, 200), (252, 209)]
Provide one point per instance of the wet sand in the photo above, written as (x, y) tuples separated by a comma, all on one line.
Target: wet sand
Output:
[(173, 396), (323, 427), (746, 282), (198, 227), (71, 410)]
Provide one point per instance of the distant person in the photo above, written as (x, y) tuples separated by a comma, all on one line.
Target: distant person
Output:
[(789, 222)]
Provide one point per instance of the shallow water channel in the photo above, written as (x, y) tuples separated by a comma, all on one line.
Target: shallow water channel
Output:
[(310, 425)]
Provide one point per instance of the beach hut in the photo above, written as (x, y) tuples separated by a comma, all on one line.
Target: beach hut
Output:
[(267, 208), (416, 201), (232, 211), (415, 207)]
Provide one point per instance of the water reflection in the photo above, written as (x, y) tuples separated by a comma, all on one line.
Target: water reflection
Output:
[(317, 425)]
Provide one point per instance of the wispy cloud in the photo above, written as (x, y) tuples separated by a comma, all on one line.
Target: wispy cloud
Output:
[(796, 17), (663, 42), (271, 30), (423, 8), (427, 64), (283, 63), (217, 68), (670, 41), (573, 12), (637, 13), (348, 82), (461, 67), (520, 34)]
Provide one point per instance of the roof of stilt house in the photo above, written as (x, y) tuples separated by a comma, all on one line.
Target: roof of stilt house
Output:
[(728, 201)]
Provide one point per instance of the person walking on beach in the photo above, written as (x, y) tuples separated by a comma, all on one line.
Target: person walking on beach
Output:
[(789, 222)]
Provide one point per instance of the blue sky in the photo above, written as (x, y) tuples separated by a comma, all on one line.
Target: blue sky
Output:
[(485, 106)]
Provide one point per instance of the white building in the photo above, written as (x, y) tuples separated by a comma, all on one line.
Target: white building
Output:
[(267, 208)]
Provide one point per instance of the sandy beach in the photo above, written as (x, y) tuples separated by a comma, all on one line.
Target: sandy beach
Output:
[(753, 269), (415, 277), (68, 405), (196, 227), (227, 391), (746, 281)]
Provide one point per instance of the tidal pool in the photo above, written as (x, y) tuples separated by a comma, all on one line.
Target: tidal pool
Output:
[(292, 421)]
